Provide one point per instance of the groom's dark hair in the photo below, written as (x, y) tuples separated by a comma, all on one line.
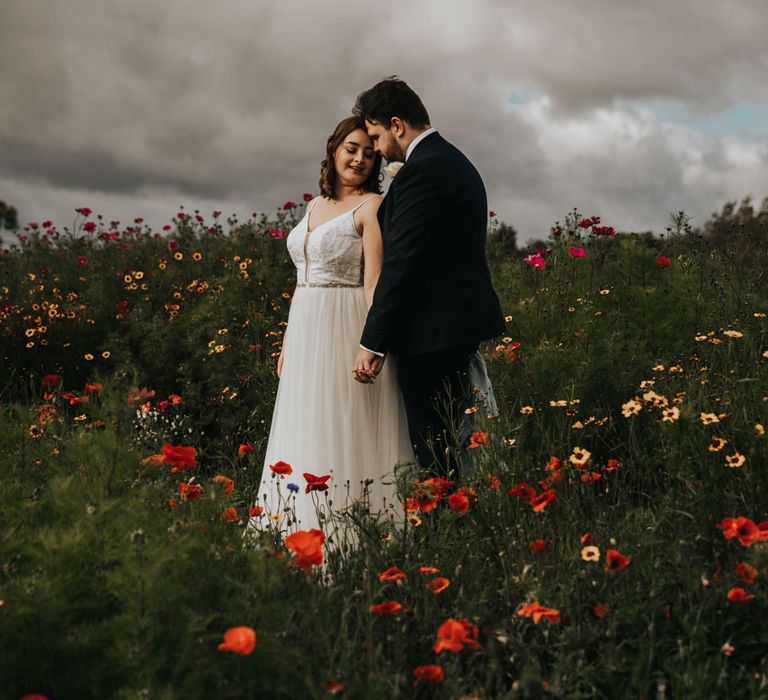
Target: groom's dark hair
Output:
[(391, 98)]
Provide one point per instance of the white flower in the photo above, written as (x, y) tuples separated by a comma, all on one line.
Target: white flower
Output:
[(393, 168)]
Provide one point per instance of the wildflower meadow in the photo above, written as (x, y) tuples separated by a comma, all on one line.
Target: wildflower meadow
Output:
[(608, 536)]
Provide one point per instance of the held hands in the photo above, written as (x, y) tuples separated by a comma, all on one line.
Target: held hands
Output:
[(367, 366)]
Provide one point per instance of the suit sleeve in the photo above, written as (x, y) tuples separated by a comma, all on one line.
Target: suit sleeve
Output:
[(409, 237)]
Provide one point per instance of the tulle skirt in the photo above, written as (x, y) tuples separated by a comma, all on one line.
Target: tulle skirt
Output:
[(327, 424)]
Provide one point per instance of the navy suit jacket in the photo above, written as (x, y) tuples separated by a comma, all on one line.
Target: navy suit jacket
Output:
[(434, 291)]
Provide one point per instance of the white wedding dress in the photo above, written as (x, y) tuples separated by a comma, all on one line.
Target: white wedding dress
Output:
[(325, 422)]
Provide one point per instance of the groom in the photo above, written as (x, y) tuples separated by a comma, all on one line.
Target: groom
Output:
[(434, 301)]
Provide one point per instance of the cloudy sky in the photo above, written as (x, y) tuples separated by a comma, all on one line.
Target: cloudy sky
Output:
[(625, 109)]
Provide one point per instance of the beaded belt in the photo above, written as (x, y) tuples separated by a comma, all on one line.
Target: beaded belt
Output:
[(328, 284)]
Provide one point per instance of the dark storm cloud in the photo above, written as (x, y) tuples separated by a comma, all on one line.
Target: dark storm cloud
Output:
[(139, 105)]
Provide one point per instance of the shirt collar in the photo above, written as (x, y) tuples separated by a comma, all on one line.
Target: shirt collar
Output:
[(418, 140)]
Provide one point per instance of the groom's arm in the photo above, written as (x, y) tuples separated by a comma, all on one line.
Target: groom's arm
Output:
[(409, 237)]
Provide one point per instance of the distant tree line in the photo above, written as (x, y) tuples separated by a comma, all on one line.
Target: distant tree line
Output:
[(9, 217)]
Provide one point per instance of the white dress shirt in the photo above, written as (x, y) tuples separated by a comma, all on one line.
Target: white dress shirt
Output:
[(408, 152)]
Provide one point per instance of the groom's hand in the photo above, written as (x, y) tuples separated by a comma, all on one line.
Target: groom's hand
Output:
[(367, 366)]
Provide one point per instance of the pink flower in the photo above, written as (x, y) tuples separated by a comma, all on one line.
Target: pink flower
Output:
[(575, 252), (585, 223), (89, 226), (47, 223), (167, 227), (181, 215), (536, 261), (662, 261), (216, 214), (308, 197), (211, 229), (289, 205), (172, 245), (276, 233), (34, 225), (85, 211), (138, 220), (82, 260)]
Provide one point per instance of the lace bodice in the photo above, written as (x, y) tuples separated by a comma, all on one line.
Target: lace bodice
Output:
[(331, 255)]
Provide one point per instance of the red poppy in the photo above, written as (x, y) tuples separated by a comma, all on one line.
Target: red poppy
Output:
[(240, 640), (190, 492), (493, 482), (34, 696), (453, 635), (307, 545), (615, 561), (590, 476), (541, 501), (739, 595), (601, 610), (388, 607), (392, 574), (746, 573), (586, 538), (308, 197), (178, 456), (522, 491), (437, 585), (662, 261), (427, 674), (289, 205), (255, 511), (316, 483), (283, 469), (741, 528), (245, 448), (229, 515), (477, 439), (536, 546), (50, 380), (332, 687), (458, 502)]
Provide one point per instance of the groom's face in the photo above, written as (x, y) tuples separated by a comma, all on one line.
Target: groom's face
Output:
[(385, 141)]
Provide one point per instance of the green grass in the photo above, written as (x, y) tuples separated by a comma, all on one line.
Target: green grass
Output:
[(108, 591)]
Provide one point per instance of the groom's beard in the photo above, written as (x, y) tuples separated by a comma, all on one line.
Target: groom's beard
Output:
[(396, 154)]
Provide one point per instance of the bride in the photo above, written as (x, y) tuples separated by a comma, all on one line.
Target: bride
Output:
[(333, 440)]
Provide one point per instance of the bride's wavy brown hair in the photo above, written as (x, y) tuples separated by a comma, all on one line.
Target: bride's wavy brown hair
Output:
[(328, 175)]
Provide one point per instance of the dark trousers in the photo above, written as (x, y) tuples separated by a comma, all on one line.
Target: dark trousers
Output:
[(436, 392)]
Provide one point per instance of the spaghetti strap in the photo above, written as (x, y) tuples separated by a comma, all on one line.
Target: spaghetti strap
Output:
[(363, 202)]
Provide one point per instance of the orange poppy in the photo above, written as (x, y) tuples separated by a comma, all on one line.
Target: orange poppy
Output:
[(537, 612), (255, 511), (453, 635), (307, 546), (245, 448), (190, 492), (392, 574), (388, 607), (429, 570), (601, 610), (615, 561), (240, 640), (227, 484), (493, 482), (536, 546), (430, 673), (437, 585)]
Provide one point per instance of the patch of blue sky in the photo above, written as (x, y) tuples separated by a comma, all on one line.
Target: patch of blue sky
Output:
[(746, 119)]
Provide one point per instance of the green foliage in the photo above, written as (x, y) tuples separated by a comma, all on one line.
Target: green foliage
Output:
[(114, 585)]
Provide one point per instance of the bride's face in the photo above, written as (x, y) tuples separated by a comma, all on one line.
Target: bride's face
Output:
[(354, 158)]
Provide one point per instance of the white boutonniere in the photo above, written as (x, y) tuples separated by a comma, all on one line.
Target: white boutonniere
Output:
[(393, 168)]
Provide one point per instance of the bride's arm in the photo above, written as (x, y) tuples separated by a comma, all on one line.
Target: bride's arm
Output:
[(372, 247)]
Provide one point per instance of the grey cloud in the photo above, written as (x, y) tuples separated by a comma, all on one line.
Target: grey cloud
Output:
[(162, 103)]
